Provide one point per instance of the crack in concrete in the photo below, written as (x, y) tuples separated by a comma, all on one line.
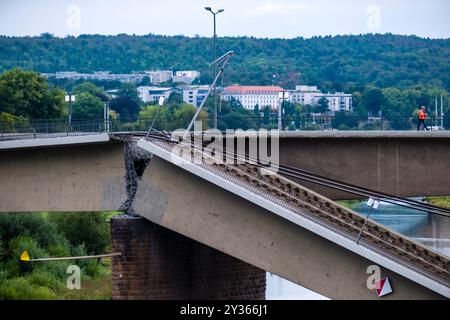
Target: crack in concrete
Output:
[(136, 161)]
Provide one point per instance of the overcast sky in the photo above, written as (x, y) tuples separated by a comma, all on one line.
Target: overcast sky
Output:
[(259, 18)]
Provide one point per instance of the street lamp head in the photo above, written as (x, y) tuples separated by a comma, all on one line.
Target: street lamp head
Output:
[(220, 10), (208, 8)]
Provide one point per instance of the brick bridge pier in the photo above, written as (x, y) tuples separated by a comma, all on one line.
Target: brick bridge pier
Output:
[(157, 263)]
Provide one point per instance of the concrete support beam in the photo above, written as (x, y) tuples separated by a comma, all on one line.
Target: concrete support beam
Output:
[(157, 263), (67, 178), (405, 165)]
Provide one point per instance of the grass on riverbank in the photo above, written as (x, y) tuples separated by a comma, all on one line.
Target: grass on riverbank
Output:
[(440, 201), (443, 202), (351, 204)]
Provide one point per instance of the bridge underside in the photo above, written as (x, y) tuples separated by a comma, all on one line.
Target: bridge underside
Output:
[(407, 164), (63, 179)]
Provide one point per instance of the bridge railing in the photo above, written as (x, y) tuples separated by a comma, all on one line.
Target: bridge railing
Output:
[(50, 128), (26, 129), (306, 121)]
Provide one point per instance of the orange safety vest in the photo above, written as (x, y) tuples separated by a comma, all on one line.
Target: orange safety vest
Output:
[(422, 115)]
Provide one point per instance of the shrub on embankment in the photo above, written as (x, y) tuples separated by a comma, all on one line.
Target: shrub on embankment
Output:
[(49, 235)]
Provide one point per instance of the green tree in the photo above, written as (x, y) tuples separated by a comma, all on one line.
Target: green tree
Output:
[(344, 121), (88, 229), (174, 99), (10, 123), (322, 105), (128, 89), (447, 121), (146, 81), (334, 63), (372, 99), (126, 107), (399, 123), (27, 94), (256, 111), (87, 106), (266, 115), (183, 115), (92, 89), (163, 119), (395, 102), (358, 108)]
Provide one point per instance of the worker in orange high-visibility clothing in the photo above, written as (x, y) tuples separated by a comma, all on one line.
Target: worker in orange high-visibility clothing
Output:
[(422, 116)]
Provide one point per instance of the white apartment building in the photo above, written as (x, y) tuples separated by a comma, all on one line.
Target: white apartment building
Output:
[(159, 76), (156, 77), (149, 94), (338, 101), (304, 94), (250, 96), (186, 77), (195, 94), (98, 75), (310, 95)]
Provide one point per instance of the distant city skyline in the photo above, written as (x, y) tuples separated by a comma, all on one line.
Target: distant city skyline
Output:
[(262, 19)]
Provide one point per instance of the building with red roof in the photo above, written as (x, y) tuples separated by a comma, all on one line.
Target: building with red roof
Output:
[(250, 96)]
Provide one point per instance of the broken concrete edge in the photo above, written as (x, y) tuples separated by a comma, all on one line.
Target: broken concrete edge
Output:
[(136, 161)]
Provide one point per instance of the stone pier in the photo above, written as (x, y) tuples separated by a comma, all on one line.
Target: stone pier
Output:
[(157, 263)]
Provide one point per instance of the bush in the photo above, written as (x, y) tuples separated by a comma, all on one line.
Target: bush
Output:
[(343, 126), (33, 225), (2, 250), (22, 289), (447, 120), (343, 118), (312, 127), (15, 248), (45, 237), (92, 268), (130, 126), (45, 279), (10, 123), (95, 231), (56, 268), (398, 123), (58, 250), (370, 125), (17, 267)]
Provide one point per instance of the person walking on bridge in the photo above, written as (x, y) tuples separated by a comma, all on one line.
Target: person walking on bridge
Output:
[(422, 117)]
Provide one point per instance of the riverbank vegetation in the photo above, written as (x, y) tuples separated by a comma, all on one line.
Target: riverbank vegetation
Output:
[(439, 201), (54, 235)]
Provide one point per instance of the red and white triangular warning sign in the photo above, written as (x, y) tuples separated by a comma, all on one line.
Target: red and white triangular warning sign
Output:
[(383, 287)]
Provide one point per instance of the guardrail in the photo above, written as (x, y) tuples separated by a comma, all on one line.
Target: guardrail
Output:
[(55, 128), (58, 128)]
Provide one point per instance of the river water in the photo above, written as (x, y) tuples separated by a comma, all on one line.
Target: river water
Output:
[(431, 230)]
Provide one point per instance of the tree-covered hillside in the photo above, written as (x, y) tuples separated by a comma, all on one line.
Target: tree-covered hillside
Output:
[(333, 63)]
